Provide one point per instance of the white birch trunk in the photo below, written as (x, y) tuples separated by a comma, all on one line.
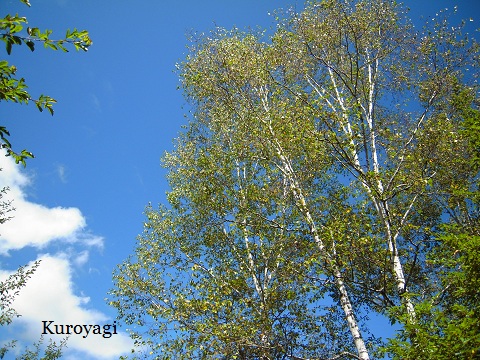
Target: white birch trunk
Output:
[(345, 303), (381, 206), (250, 261), (344, 298)]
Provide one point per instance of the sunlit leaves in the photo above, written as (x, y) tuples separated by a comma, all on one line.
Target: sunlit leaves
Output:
[(319, 162), (12, 88), (244, 277), (449, 325), (11, 27)]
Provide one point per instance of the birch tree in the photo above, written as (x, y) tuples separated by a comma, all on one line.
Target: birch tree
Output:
[(448, 323), (252, 189), (306, 188), (378, 89)]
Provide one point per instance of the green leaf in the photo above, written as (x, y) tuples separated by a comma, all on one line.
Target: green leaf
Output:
[(50, 44), (9, 45), (31, 45)]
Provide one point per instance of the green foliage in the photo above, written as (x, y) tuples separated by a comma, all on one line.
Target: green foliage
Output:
[(12, 26), (448, 325), (9, 289), (52, 351), (313, 182), (5, 206), (466, 104), (448, 316), (14, 89)]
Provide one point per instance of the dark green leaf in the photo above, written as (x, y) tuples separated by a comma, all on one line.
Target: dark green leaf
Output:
[(9, 46), (31, 45)]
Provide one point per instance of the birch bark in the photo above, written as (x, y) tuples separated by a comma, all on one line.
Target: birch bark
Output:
[(289, 173), (340, 98)]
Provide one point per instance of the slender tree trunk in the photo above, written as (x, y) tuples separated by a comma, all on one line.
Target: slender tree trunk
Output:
[(344, 298), (289, 174), (370, 145)]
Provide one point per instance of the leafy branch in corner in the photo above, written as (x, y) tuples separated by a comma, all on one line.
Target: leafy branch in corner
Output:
[(12, 88)]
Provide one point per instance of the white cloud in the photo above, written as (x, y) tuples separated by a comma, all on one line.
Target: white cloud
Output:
[(49, 296), (34, 224), (61, 172), (10, 174), (81, 258), (96, 102)]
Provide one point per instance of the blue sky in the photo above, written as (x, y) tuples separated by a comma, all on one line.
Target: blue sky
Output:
[(80, 201)]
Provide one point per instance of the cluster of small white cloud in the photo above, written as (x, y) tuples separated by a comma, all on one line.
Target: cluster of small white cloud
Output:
[(49, 293)]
